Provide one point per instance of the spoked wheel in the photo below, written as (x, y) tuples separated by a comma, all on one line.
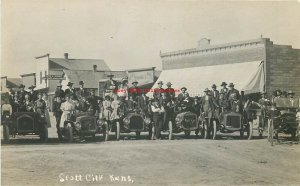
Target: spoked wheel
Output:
[(106, 131), (170, 125), (44, 134), (270, 131), (260, 133), (138, 134), (117, 130), (214, 130), (249, 130), (187, 133), (205, 127), (5, 133), (70, 133), (153, 132)]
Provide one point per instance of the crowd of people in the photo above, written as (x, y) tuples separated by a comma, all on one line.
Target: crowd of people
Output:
[(119, 98)]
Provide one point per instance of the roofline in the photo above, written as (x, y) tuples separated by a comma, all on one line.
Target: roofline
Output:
[(24, 75), (74, 59), (4, 77), (218, 46), (46, 55), (141, 69)]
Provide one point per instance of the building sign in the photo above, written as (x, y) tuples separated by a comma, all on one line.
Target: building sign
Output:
[(143, 77), (54, 77)]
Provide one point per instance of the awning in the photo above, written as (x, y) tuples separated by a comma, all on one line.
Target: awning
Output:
[(247, 76)]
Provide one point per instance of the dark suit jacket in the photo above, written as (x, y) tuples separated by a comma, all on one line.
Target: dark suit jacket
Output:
[(82, 93), (211, 102), (215, 94), (143, 103), (231, 93)]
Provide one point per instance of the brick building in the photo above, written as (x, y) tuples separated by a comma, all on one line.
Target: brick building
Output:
[(281, 62)]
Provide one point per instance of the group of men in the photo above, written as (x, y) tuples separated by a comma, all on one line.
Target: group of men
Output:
[(23, 101)]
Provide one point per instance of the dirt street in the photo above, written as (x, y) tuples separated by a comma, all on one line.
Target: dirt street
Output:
[(226, 161)]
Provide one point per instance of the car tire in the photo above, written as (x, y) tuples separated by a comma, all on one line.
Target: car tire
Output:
[(170, 125), (106, 131), (6, 133), (206, 131), (270, 131), (117, 130), (214, 130), (249, 130), (153, 132), (260, 135), (70, 134), (44, 134)]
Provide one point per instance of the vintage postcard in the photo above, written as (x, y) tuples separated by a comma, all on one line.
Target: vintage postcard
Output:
[(150, 92)]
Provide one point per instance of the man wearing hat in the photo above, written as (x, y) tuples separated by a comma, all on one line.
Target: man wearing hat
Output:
[(71, 91), (224, 89), (82, 92), (222, 102), (214, 92), (111, 85), (134, 91), (170, 92), (32, 94), (57, 112), (290, 94), (158, 91), (158, 112), (207, 104), (59, 92), (22, 93), (233, 97), (184, 97)]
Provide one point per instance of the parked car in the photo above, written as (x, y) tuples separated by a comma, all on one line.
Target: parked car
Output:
[(81, 125), (131, 121), (282, 118), (24, 123)]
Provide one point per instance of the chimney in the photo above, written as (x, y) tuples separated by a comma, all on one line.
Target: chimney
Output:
[(95, 68), (66, 55)]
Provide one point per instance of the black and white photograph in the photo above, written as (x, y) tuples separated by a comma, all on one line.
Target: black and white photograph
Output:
[(150, 92)]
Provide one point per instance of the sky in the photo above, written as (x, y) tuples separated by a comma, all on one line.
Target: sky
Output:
[(130, 34)]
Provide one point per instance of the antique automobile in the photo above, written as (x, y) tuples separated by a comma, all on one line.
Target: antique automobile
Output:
[(81, 124), (282, 118), (230, 122), (186, 122), (131, 121), (24, 123)]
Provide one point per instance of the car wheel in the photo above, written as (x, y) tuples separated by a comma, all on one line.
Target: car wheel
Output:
[(153, 132), (70, 133), (44, 134), (293, 133), (270, 131), (214, 130), (249, 130), (5, 132), (106, 132), (205, 127), (260, 135), (117, 130), (170, 125)]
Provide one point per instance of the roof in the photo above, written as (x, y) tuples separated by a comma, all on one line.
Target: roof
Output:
[(78, 64), (141, 69), (13, 82), (89, 77), (24, 75)]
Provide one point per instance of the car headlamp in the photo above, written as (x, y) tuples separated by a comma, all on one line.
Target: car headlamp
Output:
[(147, 121), (126, 121)]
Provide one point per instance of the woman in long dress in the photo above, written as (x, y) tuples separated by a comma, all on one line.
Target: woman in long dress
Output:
[(115, 105), (107, 108), (47, 116), (67, 107)]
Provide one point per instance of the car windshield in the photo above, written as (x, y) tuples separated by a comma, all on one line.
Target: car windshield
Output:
[(287, 103)]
